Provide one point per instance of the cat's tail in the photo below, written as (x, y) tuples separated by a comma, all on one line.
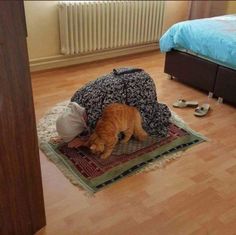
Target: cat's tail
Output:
[(139, 132)]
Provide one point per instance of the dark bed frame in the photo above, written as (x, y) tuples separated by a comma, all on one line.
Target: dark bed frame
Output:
[(216, 79)]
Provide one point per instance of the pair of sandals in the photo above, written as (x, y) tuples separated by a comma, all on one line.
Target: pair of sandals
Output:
[(200, 110)]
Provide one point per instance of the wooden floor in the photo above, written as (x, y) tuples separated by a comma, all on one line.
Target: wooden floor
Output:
[(195, 194)]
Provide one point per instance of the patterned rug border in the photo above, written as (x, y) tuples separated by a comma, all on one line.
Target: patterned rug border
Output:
[(46, 129)]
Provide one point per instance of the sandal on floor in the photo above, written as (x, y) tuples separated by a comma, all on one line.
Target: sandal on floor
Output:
[(202, 110), (183, 103)]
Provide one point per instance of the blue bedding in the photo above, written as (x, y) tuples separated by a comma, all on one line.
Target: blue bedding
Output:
[(212, 38)]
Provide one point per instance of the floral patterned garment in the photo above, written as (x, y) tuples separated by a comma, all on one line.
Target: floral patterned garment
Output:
[(130, 86)]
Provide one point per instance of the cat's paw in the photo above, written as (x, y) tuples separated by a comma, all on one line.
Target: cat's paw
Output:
[(104, 156), (124, 141), (142, 137)]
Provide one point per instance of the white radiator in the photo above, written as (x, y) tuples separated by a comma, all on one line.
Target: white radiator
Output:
[(102, 25)]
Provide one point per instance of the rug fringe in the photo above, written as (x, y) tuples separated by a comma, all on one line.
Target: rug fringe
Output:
[(161, 162), (177, 120)]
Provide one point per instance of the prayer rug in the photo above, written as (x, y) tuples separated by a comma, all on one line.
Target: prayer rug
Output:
[(93, 173)]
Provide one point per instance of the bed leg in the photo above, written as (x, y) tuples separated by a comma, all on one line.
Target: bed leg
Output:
[(170, 77), (210, 94), (220, 100)]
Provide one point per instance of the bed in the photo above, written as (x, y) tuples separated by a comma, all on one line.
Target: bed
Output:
[(202, 53)]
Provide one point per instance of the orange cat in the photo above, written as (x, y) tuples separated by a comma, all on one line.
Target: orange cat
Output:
[(116, 118)]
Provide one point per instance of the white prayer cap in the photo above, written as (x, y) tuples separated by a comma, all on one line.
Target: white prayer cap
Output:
[(71, 122)]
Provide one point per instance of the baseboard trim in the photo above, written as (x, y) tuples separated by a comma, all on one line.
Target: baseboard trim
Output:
[(63, 61)]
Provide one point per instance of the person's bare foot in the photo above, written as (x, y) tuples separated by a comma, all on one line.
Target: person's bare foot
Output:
[(56, 140)]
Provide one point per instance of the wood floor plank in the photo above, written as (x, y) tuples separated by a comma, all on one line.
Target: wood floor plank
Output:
[(193, 195)]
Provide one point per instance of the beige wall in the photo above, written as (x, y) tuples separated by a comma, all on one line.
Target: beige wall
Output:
[(175, 11), (231, 8), (218, 8), (43, 28)]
